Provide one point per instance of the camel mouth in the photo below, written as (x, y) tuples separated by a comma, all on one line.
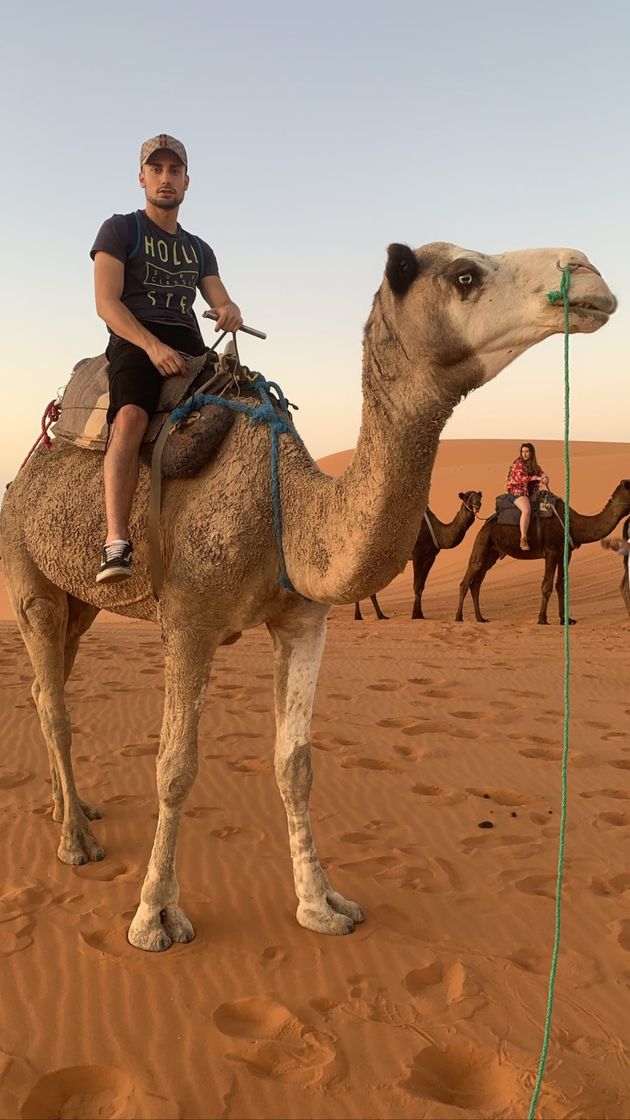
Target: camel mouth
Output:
[(601, 307)]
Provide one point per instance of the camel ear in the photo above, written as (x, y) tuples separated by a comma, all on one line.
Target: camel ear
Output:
[(401, 269), (461, 496)]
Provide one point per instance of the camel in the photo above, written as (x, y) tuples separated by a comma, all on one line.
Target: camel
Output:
[(431, 540), (615, 545), (495, 541), (444, 321)]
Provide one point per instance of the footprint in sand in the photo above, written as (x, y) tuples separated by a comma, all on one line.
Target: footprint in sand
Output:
[(250, 765), (386, 686), (105, 872), (19, 909), (466, 1077), (198, 812), (536, 961), (616, 885), (543, 754), (234, 832), (435, 987), (612, 819), (128, 800), (364, 763), (238, 735), (407, 753), (502, 796), (139, 750), (274, 1043), (615, 794), (621, 763), (473, 715), (437, 796), (395, 721), (95, 1091), (105, 932), (488, 839), (11, 779), (15, 934), (621, 930)]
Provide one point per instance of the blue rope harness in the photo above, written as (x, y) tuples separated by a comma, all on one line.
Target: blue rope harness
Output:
[(263, 413)]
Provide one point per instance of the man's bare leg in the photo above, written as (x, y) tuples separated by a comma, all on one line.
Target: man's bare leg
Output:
[(121, 467), (120, 472)]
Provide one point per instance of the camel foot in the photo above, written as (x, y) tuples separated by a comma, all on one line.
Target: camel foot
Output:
[(482, 619), (155, 932), (336, 915), (177, 925), (79, 845), (382, 617)]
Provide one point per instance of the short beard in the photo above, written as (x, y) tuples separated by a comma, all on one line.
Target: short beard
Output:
[(165, 203)]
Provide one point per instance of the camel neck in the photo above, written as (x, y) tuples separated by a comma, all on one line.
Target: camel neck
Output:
[(367, 520), (586, 529)]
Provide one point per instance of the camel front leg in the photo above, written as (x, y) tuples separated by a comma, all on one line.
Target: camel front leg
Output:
[(298, 646), (421, 569), (560, 591), (159, 920), (551, 562), (624, 586)]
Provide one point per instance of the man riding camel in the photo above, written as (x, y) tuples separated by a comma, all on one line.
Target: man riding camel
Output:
[(146, 272)]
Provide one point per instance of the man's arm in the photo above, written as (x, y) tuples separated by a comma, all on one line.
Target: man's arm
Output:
[(216, 296), (109, 279)]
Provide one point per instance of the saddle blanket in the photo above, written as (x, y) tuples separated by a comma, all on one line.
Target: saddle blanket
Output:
[(85, 401), (507, 513)]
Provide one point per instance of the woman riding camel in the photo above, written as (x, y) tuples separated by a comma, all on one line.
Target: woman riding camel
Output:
[(523, 481)]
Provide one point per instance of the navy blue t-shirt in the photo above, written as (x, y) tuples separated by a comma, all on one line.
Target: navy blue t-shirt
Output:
[(162, 270)]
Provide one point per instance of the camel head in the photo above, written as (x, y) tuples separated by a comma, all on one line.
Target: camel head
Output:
[(465, 315), (471, 499), (621, 497)]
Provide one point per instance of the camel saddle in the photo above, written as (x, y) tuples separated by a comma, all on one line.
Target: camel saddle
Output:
[(187, 446), (507, 513)]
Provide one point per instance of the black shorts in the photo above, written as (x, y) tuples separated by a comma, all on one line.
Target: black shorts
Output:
[(133, 379)]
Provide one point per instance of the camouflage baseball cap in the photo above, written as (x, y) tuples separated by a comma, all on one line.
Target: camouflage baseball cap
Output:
[(163, 141)]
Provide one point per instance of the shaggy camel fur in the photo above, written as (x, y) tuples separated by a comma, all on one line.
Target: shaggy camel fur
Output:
[(425, 550), (444, 321), (624, 542), (495, 541)]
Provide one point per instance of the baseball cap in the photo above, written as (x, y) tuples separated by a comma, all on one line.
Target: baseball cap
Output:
[(163, 141)]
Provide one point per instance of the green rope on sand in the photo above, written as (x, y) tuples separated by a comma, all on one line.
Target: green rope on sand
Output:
[(555, 297)]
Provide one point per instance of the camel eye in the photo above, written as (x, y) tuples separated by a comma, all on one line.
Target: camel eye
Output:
[(465, 279)]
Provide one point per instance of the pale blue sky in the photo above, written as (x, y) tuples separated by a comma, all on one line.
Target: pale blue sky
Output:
[(316, 136)]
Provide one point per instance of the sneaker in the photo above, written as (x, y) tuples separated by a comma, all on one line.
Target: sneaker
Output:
[(115, 562)]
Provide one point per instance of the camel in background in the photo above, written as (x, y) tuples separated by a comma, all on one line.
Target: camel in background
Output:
[(623, 545), (434, 535), (494, 541), (444, 321)]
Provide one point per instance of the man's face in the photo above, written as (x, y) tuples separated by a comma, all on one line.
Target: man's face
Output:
[(164, 179)]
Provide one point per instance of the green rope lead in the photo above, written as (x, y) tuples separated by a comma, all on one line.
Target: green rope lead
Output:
[(555, 297)]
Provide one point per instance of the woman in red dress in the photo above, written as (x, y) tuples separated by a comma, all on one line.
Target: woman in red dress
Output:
[(523, 481)]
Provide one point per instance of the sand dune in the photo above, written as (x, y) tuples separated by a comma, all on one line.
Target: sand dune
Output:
[(436, 806)]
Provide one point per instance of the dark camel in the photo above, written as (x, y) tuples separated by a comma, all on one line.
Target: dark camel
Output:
[(432, 538), (624, 586), (495, 541)]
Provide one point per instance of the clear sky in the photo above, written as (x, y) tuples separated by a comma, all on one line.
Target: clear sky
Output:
[(316, 135)]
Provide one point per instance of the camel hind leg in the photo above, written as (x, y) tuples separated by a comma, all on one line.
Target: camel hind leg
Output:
[(80, 618), (298, 646), (421, 568), (43, 615)]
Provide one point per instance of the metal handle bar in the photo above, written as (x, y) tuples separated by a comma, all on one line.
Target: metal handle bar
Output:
[(246, 330)]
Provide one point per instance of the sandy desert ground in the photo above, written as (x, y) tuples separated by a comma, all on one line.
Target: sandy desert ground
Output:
[(422, 731)]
